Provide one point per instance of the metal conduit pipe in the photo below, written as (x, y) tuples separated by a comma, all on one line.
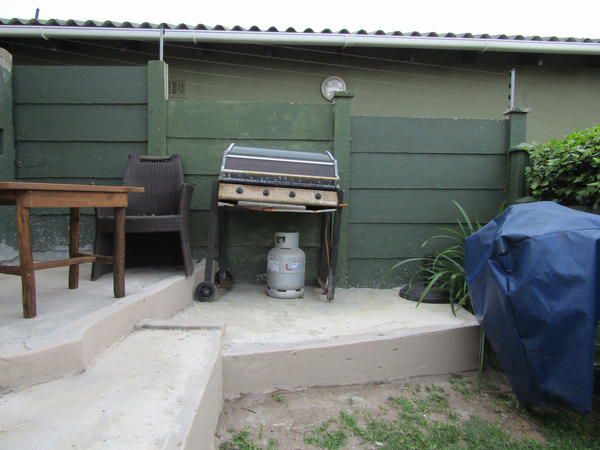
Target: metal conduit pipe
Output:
[(314, 39)]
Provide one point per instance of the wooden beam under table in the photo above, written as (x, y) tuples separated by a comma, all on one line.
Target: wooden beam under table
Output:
[(80, 258), (10, 270), (65, 199)]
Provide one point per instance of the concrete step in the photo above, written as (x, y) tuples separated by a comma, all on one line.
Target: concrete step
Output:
[(160, 387), (363, 336)]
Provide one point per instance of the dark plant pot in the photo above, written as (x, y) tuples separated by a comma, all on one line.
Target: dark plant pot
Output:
[(413, 293)]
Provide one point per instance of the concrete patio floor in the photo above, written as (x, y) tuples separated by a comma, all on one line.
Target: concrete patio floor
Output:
[(57, 306), (252, 317)]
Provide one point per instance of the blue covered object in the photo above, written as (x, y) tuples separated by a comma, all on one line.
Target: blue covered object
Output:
[(534, 278)]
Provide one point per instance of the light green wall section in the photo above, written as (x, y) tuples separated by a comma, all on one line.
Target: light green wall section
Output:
[(563, 93)]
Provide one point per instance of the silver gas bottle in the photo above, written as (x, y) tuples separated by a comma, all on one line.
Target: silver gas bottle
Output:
[(286, 265)]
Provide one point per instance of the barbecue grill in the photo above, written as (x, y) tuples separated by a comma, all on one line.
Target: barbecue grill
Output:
[(274, 180)]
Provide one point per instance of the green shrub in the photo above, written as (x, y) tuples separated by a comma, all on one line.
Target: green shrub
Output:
[(567, 171)]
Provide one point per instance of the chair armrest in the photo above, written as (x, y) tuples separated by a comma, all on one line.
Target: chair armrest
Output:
[(185, 198)]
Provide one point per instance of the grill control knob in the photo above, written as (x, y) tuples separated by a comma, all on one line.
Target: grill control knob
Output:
[(266, 192), (239, 190), (318, 196), (292, 194)]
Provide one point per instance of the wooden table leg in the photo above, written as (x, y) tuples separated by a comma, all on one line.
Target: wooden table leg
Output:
[(26, 261), (74, 226), (119, 253)]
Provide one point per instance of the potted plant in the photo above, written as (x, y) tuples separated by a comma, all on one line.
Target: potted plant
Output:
[(444, 271)]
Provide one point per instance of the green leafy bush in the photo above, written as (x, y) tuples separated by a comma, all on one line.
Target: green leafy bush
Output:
[(567, 171)]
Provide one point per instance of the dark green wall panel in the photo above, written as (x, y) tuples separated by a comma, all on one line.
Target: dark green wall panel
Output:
[(203, 156), (201, 131), (80, 84), (412, 135), (49, 232), (428, 171), (396, 240), (249, 120), (253, 229), (76, 125), (405, 174), (75, 159), (81, 122), (378, 273), (422, 206)]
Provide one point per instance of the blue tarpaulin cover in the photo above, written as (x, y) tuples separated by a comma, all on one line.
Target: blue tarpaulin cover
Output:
[(534, 278)]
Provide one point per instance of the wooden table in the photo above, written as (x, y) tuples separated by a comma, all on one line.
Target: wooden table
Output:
[(74, 196)]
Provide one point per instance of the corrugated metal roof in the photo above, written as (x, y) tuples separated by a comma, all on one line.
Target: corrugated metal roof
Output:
[(254, 28)]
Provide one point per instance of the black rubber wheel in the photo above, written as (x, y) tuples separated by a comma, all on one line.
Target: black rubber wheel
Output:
[(224, 279), (206, 292)]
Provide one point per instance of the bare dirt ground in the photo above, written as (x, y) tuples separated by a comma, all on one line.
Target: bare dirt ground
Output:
[(284, 420)]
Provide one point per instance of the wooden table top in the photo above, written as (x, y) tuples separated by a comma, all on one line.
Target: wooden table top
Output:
[(27, 186)]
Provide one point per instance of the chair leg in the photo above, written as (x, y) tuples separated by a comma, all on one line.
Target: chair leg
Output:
[(102, 246), (186, 251)]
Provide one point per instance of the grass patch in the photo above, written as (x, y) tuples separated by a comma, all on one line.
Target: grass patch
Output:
[(242, 440), (323, 437), (426, 420), (278, 397), (425, 417), (462, 385)]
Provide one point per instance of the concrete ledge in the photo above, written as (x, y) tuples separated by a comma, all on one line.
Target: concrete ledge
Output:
[(200, 411), (349, 360), (71, 349)]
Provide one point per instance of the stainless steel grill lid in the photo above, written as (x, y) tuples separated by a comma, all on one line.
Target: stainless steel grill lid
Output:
[(275, 167)]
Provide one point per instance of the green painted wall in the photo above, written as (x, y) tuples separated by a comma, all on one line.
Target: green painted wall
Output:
[(253, 95), (75, 124), (399, 173)]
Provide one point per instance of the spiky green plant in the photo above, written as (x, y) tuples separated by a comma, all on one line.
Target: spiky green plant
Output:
[(446, 268)]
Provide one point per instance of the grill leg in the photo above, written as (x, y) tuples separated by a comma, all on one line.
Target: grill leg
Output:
[(325, 253), (223, 277), (206, 290), (335, 239)]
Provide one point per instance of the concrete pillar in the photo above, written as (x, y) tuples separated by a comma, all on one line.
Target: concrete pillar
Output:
[(7, 155), (342, 146), (518, 156), (7, 145), (158, 93)]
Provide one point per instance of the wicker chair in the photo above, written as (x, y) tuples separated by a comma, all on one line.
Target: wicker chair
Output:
[(163, 207)]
